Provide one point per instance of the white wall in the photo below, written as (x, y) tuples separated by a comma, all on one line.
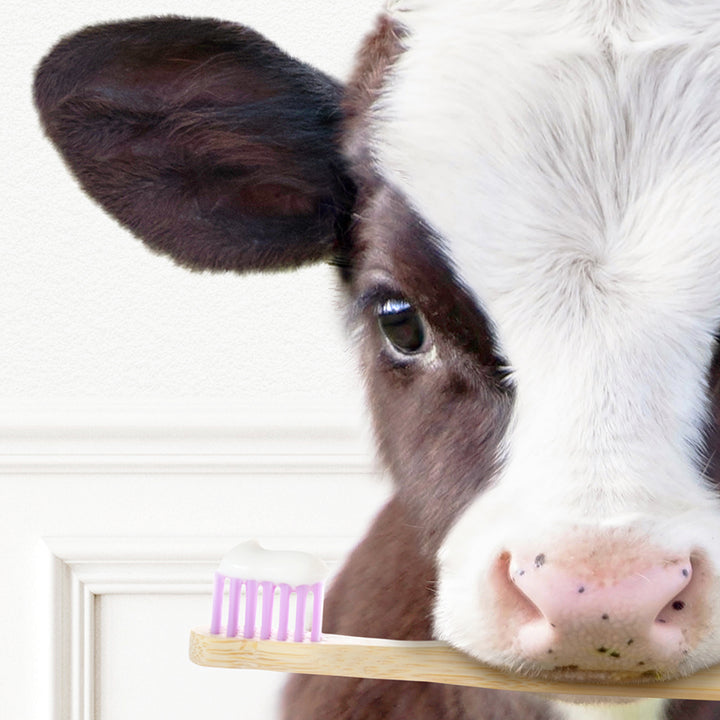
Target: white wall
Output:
[(89, 314), (150, 417)]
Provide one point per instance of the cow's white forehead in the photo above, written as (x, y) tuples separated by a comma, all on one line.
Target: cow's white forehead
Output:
[(533, 140), (569, 157)]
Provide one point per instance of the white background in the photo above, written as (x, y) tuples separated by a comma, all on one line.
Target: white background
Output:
[(150, 417)]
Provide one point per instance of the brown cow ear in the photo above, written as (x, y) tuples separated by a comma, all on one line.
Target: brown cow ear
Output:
[(201, 137)]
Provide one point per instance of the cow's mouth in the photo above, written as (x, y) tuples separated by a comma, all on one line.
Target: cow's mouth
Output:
[(597, 682), (576, 674), (607, 682)]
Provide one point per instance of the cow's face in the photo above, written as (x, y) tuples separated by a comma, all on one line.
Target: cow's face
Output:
[(522, 199), (545, 211)]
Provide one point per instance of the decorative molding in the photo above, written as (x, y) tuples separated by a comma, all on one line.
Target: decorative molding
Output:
[(187, 442), (83, 569), (351, 463)]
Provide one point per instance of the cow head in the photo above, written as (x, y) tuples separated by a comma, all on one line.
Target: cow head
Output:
[(521, 201)]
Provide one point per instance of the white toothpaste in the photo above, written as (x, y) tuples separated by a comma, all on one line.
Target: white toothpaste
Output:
[(249, 560)]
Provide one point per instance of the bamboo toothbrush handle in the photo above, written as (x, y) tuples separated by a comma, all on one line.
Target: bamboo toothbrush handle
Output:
[(427, 661)]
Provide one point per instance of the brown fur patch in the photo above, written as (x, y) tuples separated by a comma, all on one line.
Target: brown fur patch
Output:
[(386, 590), (438, 423), (375, 59)]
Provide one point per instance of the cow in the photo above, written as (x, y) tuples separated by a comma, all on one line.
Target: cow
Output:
[(520, 198)]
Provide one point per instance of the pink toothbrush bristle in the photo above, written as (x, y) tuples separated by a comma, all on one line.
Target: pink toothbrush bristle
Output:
[(236, 569), (268, 595)]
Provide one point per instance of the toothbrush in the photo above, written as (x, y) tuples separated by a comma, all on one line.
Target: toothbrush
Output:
[(265, 645)]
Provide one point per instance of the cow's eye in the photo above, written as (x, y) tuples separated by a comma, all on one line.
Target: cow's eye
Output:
[(402, 325)]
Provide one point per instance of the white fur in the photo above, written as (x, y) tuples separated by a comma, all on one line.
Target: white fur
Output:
[(568, 155), (632, 711)]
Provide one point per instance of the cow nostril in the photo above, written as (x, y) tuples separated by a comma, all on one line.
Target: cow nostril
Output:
[(506, 579), (677, 609)]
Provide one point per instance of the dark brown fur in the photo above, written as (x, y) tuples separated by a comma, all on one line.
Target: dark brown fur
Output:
[(386, 590), (375, 60), (432, 424), (202, 138)]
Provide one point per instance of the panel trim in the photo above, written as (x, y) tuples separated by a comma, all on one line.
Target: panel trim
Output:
[(121, 441), (83, 569)]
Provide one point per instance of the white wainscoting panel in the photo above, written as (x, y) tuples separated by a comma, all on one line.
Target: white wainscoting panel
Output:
[(123, 608), (112, 527)]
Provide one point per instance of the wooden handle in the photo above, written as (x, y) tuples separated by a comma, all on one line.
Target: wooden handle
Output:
[(427, 661)]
